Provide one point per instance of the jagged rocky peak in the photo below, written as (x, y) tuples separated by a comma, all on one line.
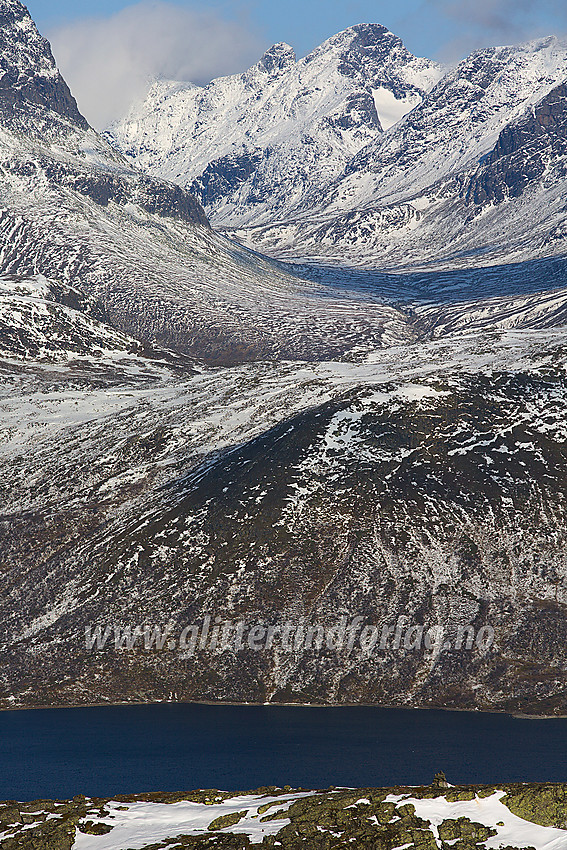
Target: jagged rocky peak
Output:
[(372, 52), (358, 38), (511, 68), (370, 41), (278, 58), (29, 77), (266, 142)]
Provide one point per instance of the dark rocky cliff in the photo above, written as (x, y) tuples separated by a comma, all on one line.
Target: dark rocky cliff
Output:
[(29, 79), (523, 151)]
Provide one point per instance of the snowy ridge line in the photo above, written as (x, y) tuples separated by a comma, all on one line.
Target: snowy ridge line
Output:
[(267, 141), (405, 194)]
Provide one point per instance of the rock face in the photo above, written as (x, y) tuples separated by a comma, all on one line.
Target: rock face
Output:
[(262, 144), (30, 82), (524, 151)]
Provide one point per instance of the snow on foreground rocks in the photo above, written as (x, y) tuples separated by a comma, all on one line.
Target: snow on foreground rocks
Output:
[(481, 817), (139, 824), (511, 830), (142, 823)]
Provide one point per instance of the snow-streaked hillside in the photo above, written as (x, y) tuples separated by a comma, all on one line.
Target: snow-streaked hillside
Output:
[(189, 427), (431, 474), (456, 125), (266, 142), (76, 211)]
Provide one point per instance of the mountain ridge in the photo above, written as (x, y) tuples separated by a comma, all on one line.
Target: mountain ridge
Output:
[(192, 428), (29, 77), (397, 199), (301, 122)]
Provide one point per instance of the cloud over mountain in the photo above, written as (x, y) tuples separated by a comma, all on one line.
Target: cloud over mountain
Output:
[(109, 61)]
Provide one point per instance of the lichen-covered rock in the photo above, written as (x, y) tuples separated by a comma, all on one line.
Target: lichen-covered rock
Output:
[(440, 780), (326, 820), (542, 804), (90, 827), (52, 835), (10, 814), (226, 820), (464, 828)]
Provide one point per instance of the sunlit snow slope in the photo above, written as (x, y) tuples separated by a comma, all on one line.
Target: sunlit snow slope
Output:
[(265, 143), (470, 171)]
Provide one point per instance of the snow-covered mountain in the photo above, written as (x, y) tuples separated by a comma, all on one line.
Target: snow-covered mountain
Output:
[(75, 210), (457, 124), (408, 196), (188, 427), (264, 143), (472, 177)]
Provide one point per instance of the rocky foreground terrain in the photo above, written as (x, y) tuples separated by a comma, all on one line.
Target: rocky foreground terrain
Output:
[(509, 817)]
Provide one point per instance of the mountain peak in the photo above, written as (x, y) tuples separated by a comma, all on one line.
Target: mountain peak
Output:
[(29, 78), (367, 32), (371, 51), (279, 57), (12, 10), (361, 36)]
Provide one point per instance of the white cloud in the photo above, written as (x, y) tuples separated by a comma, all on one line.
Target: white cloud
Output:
[(108, 62), (489, 22)]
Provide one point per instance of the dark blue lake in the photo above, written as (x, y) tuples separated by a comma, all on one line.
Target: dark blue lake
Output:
[(129, 749)]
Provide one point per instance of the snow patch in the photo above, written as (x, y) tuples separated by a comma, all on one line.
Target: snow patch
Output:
[(392, 109), (145, 823), (490, 811)]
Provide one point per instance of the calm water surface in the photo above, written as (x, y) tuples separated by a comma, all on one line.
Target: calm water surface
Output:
[(130, 749)]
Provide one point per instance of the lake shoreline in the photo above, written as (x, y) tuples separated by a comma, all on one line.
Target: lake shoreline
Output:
[(474, 711), (130, 748)]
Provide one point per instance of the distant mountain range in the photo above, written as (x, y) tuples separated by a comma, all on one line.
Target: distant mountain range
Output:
[(260, 146), (362, 153), (189, 427)]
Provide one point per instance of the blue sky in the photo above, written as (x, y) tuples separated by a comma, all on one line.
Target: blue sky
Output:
[(428, 27), (108, 50)]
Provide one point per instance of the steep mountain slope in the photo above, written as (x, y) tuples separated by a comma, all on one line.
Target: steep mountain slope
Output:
[(380, 445), (413, 197), (457, 124), (279, 495), (76, 211), (266, 142), (30, 81), (528, 149)]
